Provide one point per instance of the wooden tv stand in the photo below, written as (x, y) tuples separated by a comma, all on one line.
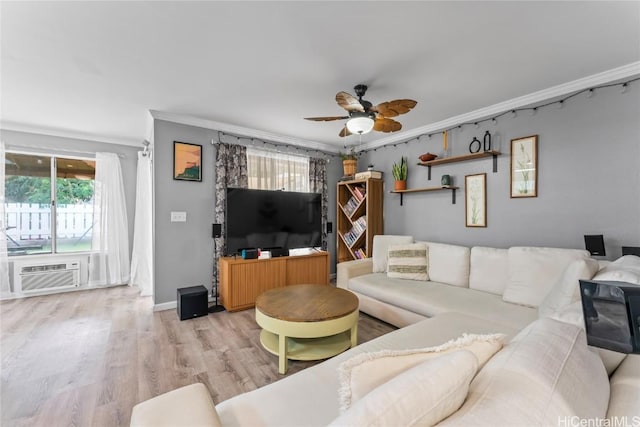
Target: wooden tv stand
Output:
[(242, 280)]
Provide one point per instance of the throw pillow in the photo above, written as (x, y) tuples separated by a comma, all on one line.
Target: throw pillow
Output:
[(566, 289), (422, 395), (545, 374), (380, 251), (364, 372), (408, 262)]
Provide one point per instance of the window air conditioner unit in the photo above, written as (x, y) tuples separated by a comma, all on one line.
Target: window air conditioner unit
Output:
[(40, 277)]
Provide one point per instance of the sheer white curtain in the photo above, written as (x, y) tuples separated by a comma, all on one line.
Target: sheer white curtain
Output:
[(142, 256), (276, 171), (110, 242), (4, 259)]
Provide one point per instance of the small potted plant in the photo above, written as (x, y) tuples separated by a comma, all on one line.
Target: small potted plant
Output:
[(349, 162), (399, 171)]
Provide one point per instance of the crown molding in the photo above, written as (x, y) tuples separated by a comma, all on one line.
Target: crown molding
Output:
[(613, 75), (241, 131), (64, 133)]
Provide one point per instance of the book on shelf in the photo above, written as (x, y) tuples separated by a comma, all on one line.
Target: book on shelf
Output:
[(369, 174), (359, 253), (359, 192), (351, 205)]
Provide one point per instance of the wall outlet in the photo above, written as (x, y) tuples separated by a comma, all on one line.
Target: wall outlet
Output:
[(178, 217)]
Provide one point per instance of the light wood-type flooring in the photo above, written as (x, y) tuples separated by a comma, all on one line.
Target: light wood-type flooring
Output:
[(86, 358)]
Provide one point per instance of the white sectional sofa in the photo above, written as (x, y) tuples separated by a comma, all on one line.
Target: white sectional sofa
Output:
[(544, 375)]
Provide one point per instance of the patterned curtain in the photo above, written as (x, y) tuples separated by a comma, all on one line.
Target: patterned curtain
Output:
[(318, 184), (231, 171)]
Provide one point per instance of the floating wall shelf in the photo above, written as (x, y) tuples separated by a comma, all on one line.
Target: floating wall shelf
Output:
[(463, 158), (421, 190)]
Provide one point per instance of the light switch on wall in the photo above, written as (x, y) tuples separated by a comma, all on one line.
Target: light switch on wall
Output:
[(178, 217)]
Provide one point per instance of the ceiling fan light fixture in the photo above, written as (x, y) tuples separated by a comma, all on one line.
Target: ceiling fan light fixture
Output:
[(360, 123)]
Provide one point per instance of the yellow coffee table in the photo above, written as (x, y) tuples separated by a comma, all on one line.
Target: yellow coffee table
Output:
[(307, 322)]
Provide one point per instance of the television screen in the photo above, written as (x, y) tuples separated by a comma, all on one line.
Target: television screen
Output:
[(272, 219), (611, 315)]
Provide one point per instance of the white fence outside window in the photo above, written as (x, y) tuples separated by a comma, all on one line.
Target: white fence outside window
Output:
[(30, 221)]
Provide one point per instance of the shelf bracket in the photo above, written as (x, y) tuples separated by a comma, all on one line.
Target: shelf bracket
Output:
[(429, 172), (453, 196), (495, 163), (401, 194)]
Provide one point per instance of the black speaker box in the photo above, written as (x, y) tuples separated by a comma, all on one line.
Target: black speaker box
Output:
[(216, 230), (192, 302), (595, 244), (277, 252)]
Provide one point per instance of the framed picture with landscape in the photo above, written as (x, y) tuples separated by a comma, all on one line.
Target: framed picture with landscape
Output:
[(524, 167), (475, 200), (187, 161)]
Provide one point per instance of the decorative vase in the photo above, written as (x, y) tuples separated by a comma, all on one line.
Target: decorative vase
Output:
[(487, 141), (349, 167), (400, 185), (473, 148), (445, 180)]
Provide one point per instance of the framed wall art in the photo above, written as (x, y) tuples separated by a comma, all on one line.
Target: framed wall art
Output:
[(524, 167), (187, 161), (475, 200)]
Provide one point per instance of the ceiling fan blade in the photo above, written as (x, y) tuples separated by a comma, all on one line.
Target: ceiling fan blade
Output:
[(348, 102), (344, 132), (326, 119), (382, 124), (395, 108)]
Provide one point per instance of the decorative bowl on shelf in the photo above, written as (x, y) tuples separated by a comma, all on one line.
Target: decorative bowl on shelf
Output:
[(427, 157)]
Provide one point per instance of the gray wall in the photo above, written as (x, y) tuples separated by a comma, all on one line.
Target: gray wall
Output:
[(38, 143), (589, 179), (184, 251)]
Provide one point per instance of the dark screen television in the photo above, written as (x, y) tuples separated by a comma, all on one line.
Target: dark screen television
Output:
[(265, 220), (611, 314)]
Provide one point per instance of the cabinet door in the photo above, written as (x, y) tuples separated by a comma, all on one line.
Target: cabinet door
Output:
[(250, 279), (313, 270)]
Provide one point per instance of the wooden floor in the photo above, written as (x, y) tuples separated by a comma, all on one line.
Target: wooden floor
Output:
[(86, 358)]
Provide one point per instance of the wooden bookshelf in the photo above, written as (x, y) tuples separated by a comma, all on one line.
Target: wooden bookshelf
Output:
[(359, 217)]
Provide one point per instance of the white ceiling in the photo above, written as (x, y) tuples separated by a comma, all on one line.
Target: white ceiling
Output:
[(96, 69)]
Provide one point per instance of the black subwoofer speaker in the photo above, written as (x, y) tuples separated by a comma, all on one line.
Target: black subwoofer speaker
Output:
[(192, 302)]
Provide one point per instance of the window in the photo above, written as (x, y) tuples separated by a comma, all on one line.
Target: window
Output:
[(48, 203), (276, 171)]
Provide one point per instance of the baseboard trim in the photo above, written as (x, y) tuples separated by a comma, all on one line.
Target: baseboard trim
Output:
[(171, 305), (165, 306)]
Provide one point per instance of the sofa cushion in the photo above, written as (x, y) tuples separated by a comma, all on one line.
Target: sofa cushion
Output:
[(545, 374), (625, 390), (432, 298), (533, 271), (422, 395), (572, 314), (624, 269), (449, 264), (380, 251), (566, 290), (489, 269), (186, 406), (364, 372), (408, 261)]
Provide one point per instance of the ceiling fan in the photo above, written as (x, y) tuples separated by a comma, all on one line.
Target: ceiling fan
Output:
[(364, 116)]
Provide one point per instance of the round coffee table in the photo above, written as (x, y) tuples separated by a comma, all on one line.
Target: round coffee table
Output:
[(307, 322)]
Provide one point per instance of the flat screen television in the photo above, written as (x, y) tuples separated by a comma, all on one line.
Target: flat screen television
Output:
[(266, 219), (611, 314)]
